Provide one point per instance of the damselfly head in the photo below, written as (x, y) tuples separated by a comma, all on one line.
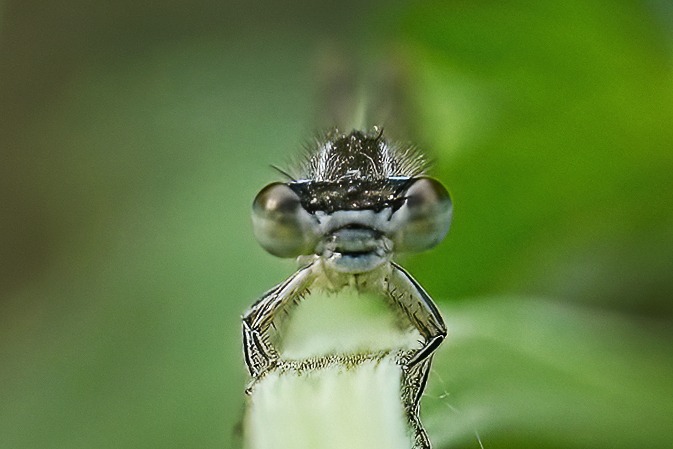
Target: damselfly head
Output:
[(358, 199)]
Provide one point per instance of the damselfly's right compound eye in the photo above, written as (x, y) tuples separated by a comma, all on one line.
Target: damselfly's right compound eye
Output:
[(425, 217), (280, 223)]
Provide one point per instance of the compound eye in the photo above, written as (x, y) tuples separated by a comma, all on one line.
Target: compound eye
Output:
[(425, 217), (280, 224)]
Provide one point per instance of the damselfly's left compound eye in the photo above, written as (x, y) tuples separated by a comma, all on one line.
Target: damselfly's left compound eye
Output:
[(425, 217), (280, 223)]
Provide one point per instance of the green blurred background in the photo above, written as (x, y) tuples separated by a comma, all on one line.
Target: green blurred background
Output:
[(134, 135)]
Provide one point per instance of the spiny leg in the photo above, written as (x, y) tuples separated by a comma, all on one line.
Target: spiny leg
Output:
[(414, 380), (260, 355), (421, 311)]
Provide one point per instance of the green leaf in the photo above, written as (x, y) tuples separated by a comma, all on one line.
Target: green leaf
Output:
[(532, 372)]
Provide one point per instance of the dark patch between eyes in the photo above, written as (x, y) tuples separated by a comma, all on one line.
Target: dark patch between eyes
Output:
[(350, 194)]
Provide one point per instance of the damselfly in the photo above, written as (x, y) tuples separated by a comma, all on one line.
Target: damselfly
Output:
[(356, 200)]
